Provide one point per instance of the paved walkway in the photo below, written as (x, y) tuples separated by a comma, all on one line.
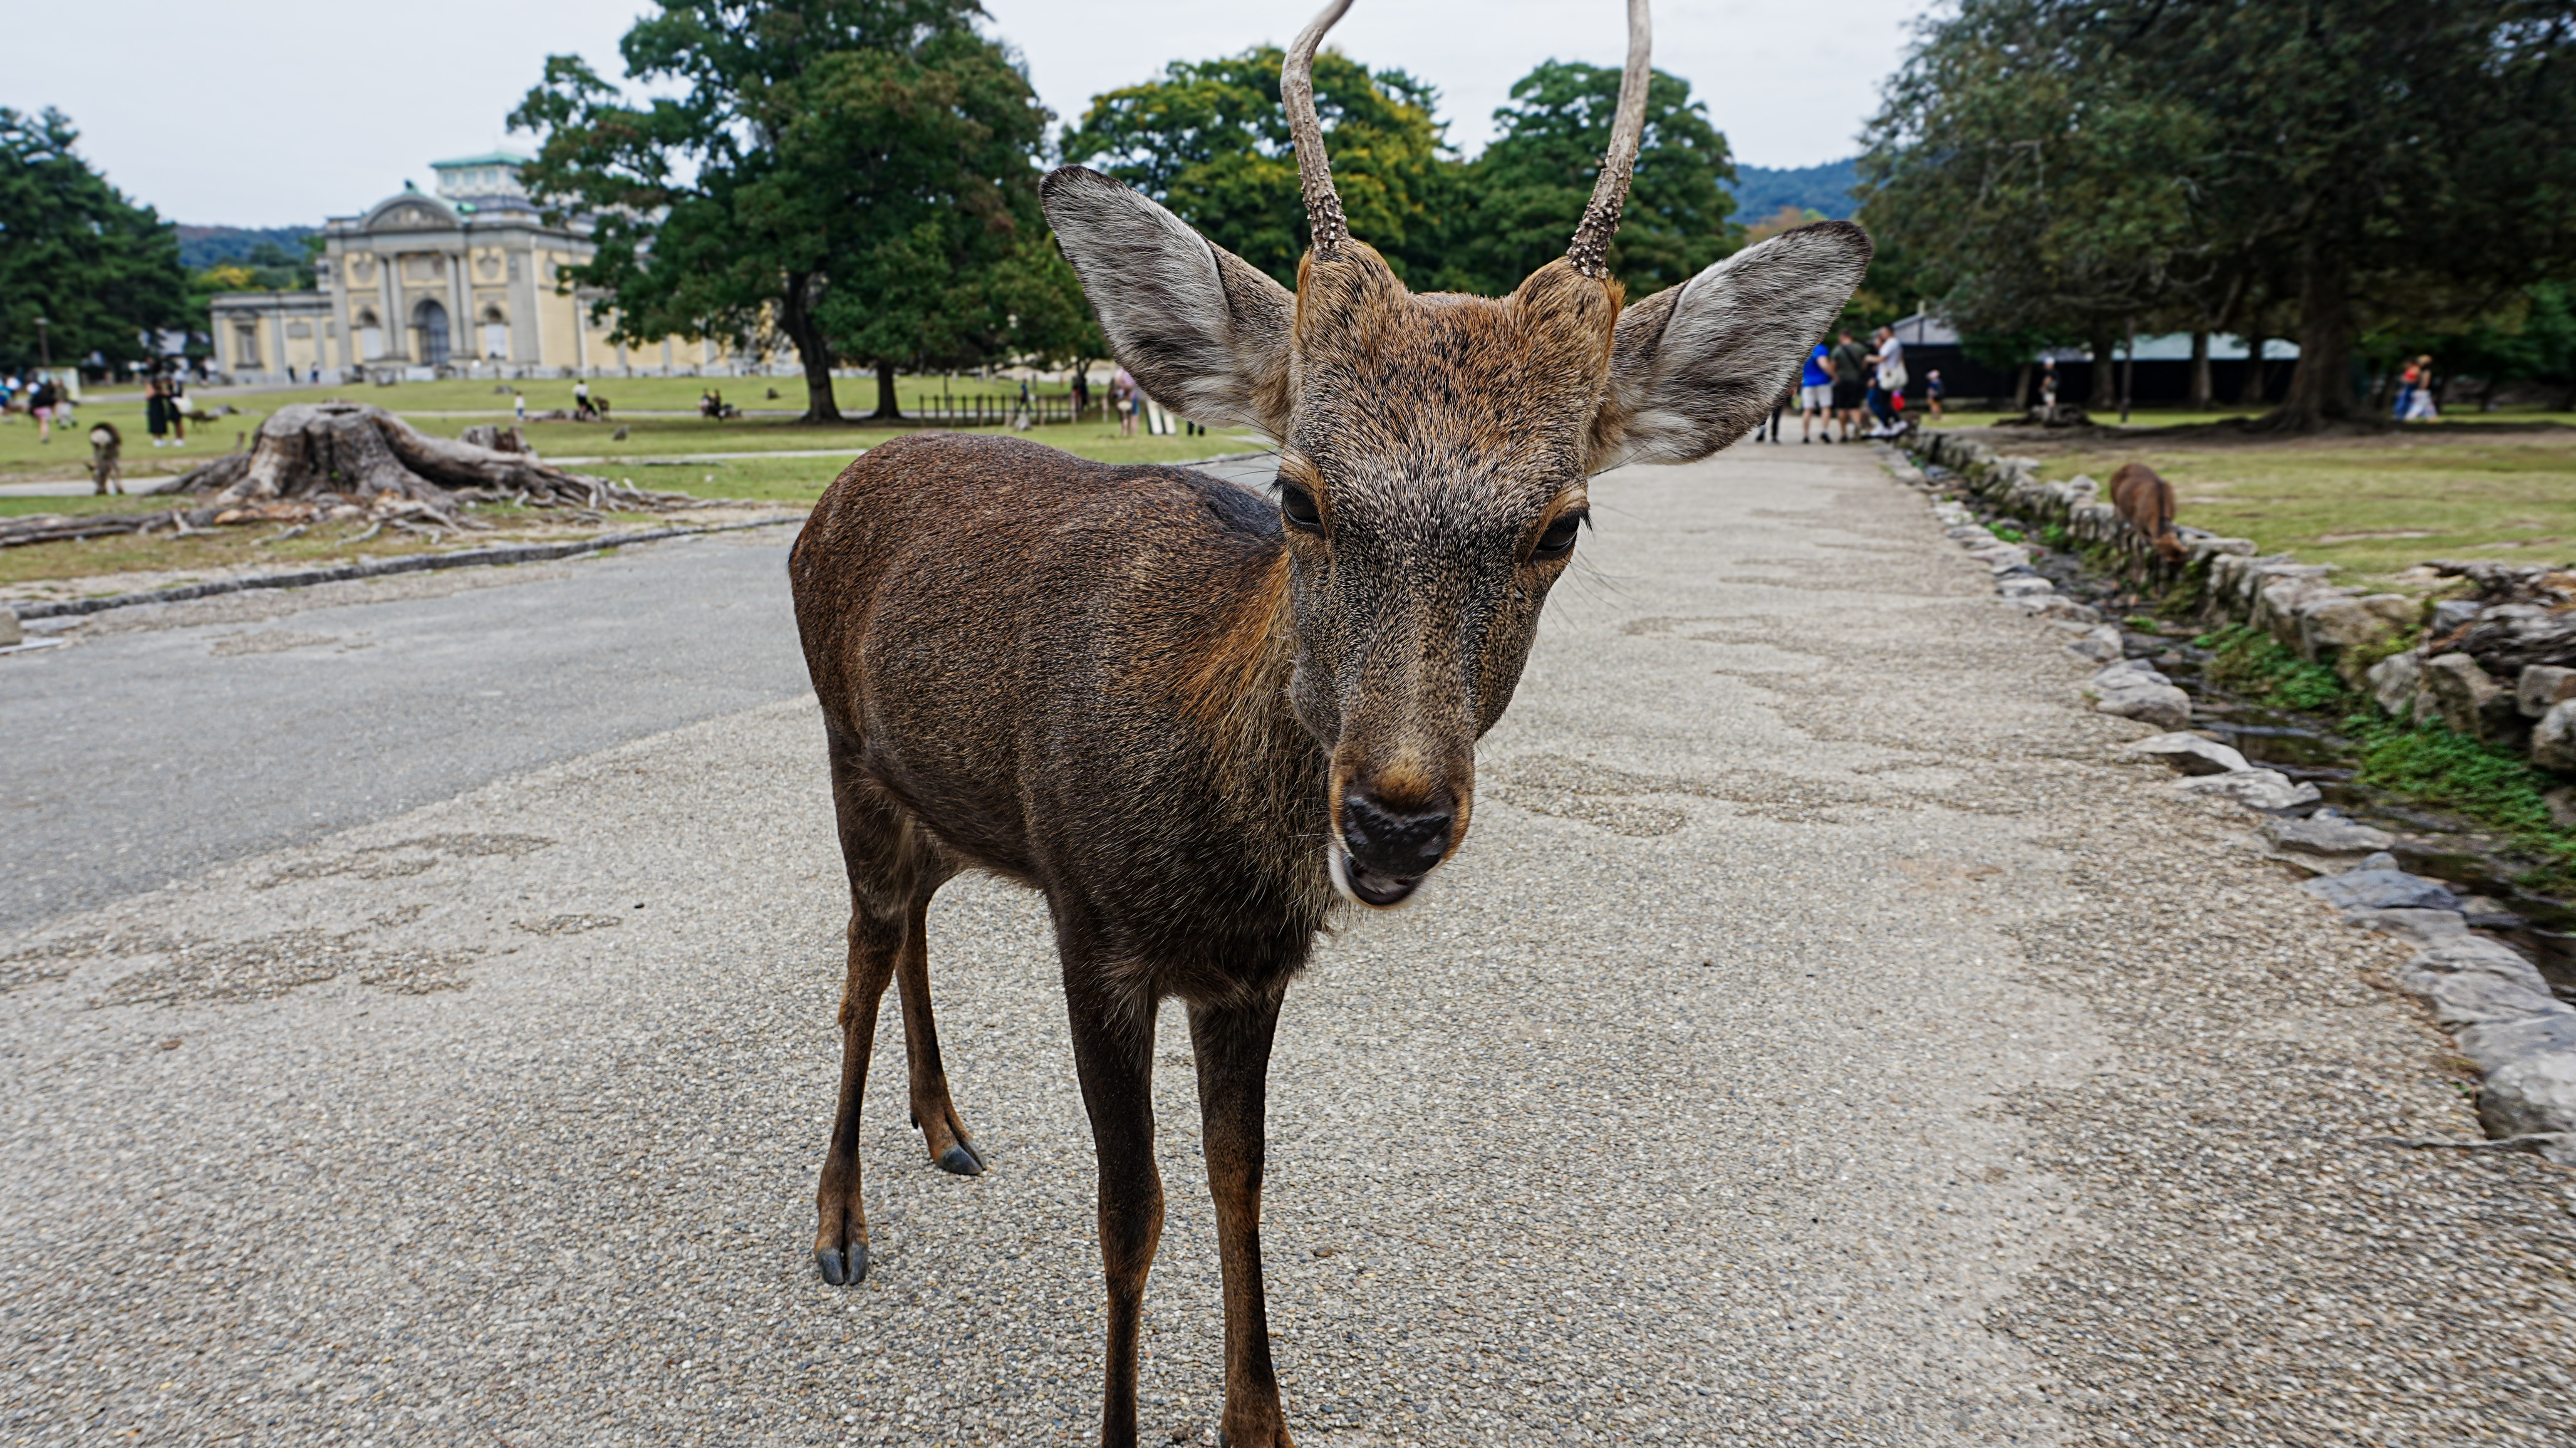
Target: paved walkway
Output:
[(1819, 1041)]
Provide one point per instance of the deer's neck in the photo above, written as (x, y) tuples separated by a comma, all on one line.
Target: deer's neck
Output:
[(1270, 771)]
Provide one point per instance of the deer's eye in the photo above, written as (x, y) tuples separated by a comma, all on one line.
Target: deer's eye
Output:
[(1298, 507), (1558, 540)]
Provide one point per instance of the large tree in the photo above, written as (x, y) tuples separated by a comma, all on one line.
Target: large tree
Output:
[(2354, 164), (1209, 140), (1522, 197), (101, 271), (2045, 197), (857, 176)]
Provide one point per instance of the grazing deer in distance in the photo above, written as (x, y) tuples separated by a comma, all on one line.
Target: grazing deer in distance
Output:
[(2145, 501), (1197, 720)]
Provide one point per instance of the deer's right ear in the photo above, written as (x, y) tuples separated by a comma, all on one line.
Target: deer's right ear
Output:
[(1205, 332)]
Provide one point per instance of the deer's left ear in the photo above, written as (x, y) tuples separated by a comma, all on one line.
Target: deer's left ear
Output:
[(1695, 366)]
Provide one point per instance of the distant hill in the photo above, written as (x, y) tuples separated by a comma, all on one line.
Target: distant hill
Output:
[(204, 246), (1825, 190)]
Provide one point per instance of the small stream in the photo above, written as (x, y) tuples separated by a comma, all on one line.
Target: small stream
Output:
[(2305, 747)]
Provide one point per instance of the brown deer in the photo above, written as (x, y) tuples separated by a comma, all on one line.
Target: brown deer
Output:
[(2145, 501), (1198, 720)]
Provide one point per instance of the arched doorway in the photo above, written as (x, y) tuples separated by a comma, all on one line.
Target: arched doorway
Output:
[(433, 333)]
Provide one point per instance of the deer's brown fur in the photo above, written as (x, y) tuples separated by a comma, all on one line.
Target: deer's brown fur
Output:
[(2145, 501)]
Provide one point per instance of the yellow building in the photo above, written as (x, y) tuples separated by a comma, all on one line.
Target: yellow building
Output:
[(465, 283)]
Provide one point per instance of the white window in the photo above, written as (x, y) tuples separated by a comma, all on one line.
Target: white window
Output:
[(246, 348), (496, 341)]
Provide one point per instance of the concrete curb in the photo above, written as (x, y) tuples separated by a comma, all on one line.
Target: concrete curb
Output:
[(416, 563)]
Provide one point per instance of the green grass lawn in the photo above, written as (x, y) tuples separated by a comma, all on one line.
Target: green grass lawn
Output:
[(853, 395), (2374, 506), (648, 458)]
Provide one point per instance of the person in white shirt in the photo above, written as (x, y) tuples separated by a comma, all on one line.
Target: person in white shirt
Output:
[(1888, 379)]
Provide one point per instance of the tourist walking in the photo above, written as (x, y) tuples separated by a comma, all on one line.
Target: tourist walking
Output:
[(1932, 393), (1816, 393), (41, 401), (1122, 396), (1851, 382), (1080, 392), (177, 398), (2419, 397), (1887, 379), (156, 412)]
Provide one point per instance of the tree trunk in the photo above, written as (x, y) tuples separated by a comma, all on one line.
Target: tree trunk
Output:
[(2106, 386), (2201, 390), (2321, 385), (796, 319), (2021, 390), (2249, 393), (887, 408)]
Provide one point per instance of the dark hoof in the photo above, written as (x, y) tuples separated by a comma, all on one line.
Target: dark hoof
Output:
[(962, 1159), (846, 1267)]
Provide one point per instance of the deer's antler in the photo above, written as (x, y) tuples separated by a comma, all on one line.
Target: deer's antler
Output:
[(1591, 243), (1314, 168)]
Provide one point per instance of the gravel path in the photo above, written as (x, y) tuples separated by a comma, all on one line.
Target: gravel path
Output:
[(1819, 1041)]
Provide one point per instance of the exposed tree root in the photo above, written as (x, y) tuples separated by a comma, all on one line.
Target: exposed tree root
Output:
[(345, 461)]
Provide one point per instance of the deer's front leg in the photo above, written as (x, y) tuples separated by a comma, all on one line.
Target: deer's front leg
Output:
[(1113, 1052), (1233, 1047)]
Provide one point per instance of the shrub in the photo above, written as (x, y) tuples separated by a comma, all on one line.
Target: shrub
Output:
[(2252, 665), (2494, 786)]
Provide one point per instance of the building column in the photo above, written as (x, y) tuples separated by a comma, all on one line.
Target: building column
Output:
[(460, 322), (397, 330)]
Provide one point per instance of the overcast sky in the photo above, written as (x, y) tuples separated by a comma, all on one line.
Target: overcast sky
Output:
[(281, 112)]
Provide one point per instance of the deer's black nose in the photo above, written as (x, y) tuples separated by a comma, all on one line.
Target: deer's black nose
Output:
[(1404, 843)]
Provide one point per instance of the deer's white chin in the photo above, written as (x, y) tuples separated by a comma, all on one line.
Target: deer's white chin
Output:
[(1363, 886)]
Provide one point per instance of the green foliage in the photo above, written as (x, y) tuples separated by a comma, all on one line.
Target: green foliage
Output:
[(2333, 168), (2495, 787), (2056, 536), (2186, 596), (98, 268), (858, 176), (2252, 665), (2006, 532), (1208, 139), (2026, 169), (1524, 194)]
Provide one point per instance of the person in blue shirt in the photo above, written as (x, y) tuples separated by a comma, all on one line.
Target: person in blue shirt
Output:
[(1815, 394)]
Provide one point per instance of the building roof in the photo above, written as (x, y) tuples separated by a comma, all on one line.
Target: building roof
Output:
[(488, 158), (1922, 329)]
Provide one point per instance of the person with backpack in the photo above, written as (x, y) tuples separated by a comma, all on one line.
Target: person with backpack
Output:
[(1851, 364), (41, 402)]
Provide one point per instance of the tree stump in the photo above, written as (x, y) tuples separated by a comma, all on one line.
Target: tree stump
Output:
[(353, 455)]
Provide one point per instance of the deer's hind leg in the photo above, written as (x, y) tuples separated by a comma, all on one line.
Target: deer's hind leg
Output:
[(893, 870), (943, 1132)]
